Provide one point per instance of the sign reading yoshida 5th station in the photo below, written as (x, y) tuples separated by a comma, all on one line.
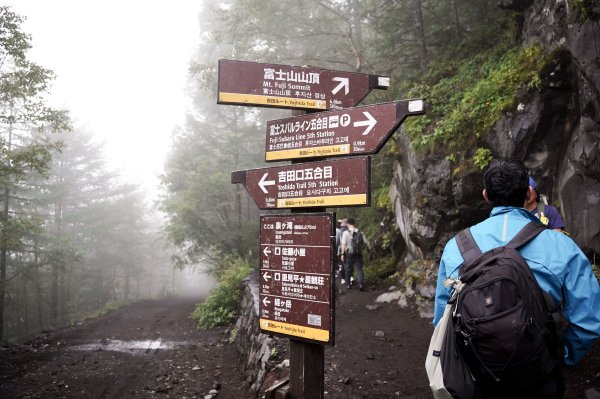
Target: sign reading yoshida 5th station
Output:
[(296, 276), (327, 183), (287, 86), (360, 130)]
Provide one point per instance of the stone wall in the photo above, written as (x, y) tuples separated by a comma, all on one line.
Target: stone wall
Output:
[(253, 346), (260, 354)]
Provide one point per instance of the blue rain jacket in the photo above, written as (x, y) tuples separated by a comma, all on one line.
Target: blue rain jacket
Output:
[(558, 265)]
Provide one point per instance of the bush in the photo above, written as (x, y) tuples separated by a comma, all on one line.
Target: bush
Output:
[(378, 269), (222, 305)]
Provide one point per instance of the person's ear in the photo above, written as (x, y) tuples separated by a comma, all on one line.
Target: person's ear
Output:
[(530, 194), (485, 196)]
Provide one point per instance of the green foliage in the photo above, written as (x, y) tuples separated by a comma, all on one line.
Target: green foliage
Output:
[(379, 269), (482, 157), (595, 267), (587, 9), (414, 273), (467, 96), (221, 306)]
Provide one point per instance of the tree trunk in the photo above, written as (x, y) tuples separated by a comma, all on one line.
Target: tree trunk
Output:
[(4, 237), (457, 23), (420, 35)]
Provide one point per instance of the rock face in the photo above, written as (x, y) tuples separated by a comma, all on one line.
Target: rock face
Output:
[(555, 131)]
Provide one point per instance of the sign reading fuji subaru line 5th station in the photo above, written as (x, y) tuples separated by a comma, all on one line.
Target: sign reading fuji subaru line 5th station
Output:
[(360, 130), (287, 86)]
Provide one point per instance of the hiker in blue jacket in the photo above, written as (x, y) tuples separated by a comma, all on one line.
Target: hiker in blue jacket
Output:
[(558, 264)]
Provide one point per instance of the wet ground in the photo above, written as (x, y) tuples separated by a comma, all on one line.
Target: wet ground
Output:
[(145, 350), (152, 349)]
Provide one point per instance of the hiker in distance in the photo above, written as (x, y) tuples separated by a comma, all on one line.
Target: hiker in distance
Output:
[(353, 242), (342, 226), (559, 267), (547, 214)]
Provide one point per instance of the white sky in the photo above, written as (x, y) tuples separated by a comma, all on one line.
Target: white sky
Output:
[(121, 69)]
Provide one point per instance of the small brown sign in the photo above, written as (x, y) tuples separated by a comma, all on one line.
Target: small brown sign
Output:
[(296, 276), (287, 86), (361, 130), (328, 183)]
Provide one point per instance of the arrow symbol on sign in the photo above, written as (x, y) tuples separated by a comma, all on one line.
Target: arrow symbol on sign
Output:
[(370, 123), (344, 82), (267, 276), (266, 301), (262, 183), (266, 251)]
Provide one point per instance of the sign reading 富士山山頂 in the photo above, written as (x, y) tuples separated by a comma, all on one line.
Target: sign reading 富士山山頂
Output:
[(287, 86)]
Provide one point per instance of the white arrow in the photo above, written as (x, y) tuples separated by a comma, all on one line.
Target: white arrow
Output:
[(262, 183), (266, 251), (267, 276), (344, 82), (266, 301), (370, 123)]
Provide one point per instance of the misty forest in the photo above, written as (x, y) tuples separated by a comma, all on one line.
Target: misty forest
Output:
[(76, 240)]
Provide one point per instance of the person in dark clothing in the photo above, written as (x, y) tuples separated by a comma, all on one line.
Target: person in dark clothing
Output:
[(548, 215), (352, 243)]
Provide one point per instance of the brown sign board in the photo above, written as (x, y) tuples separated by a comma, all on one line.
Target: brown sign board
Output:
[(287, 86), (296, 276), (328, 183), (360, 130)]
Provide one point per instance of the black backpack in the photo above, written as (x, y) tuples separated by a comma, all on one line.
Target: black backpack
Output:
[(357, 242), (509, 330)]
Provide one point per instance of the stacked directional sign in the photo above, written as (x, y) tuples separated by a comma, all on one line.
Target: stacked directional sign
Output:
[(296, 290), (295, 275)]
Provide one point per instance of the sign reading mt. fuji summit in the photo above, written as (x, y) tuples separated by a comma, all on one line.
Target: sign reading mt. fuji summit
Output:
[(286, 86)]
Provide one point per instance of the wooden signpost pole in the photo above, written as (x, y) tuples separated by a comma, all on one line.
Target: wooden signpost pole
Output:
[(307, 360)]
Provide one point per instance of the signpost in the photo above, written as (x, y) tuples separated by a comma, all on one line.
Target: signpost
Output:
[(286, 86), (328, 183), (296, 258), (351, 131), (296, 276)]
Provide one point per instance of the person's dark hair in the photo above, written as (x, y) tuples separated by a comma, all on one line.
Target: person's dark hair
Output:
[(506, 182), (351, 221)]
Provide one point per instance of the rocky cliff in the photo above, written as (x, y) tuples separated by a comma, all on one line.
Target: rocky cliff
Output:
[(554, 130)]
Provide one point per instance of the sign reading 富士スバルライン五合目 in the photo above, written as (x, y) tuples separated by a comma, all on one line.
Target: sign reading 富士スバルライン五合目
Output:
[(296, 276), (287, 86), (350, 131), (327, 183)]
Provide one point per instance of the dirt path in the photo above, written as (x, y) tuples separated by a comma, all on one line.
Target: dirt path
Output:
[(152, 349), (148, 349)]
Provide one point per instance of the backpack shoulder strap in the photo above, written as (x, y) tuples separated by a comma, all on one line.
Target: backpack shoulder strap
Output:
[(541, 207), (527, 233), (467, 246)]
